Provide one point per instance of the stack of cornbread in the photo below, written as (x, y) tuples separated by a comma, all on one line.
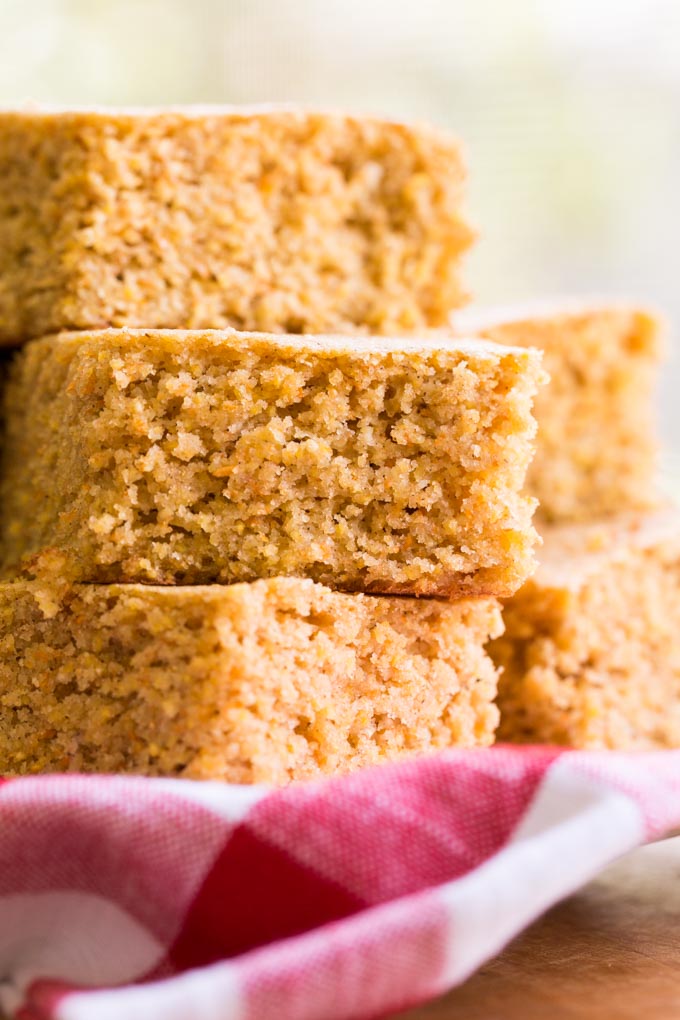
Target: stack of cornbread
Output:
[(590, 655), (259, 503), (247, 555)]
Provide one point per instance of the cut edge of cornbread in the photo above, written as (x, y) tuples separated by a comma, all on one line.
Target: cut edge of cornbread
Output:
[(275, 680), (590, 657), (274, 217), (393, 466), (597, 447)]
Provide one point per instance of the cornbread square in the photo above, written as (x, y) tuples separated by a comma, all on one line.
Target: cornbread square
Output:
[(267, 219), (194, 457), (591, 652), (596, 447), (265, 682)]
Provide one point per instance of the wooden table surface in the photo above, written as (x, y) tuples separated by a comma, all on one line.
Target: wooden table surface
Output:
[(611, 952)]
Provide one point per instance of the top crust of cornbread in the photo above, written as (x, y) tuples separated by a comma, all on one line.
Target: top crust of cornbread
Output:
[(191, 457), (201, 111), (287, 344), (596, 448), (573, 553), (474, 320), (259, 218)]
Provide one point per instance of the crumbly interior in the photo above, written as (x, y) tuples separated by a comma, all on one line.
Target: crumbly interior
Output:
[(596, 446), (279, 220), (590, 657), (267, 682), (184, 458)]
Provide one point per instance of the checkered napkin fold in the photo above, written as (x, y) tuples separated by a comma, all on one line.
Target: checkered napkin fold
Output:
[(123, 897)]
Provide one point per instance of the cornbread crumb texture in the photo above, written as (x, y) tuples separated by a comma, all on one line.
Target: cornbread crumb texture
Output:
[(591, 652), (170, 457), (277, 220), (596, 445), (276, 680)]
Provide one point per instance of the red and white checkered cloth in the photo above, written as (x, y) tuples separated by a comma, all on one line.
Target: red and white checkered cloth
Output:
[(350, 897)]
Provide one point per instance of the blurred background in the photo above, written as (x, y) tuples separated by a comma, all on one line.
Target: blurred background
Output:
[(570, 110)]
